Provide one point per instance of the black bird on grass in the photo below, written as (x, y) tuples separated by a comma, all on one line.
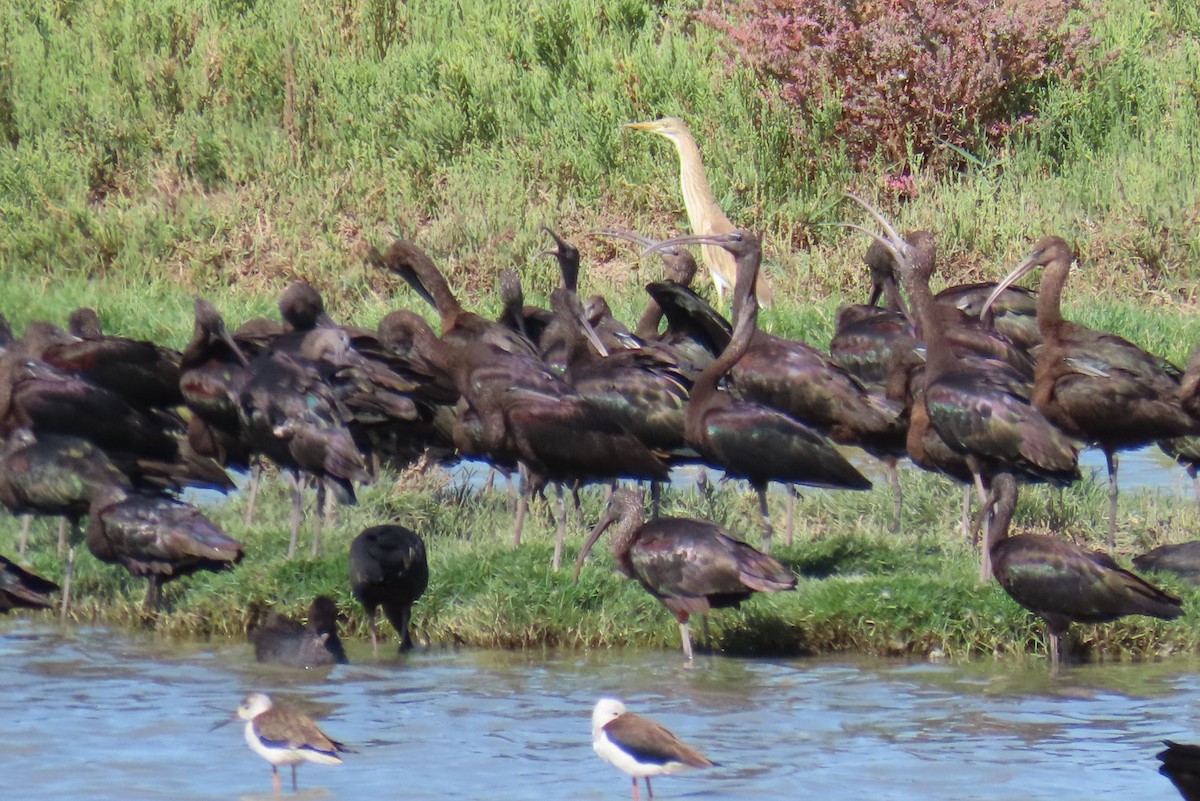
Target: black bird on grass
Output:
[(388, 568), (282, 641), (20, 589), (690, 566)]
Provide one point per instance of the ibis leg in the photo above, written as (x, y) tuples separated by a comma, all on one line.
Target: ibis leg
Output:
[(319, 516), (893, 475), (23, 537), (649, 791), (68, 574), (153, 600), (293, 778), (1191, 472), (255, 479), (522, 503), (685, 637), (1111, 459), (968, 531), (296, 487), (767, 529), (275, 783), (560, 528), (634, 793), (62, 535), (374, 634), (656, 498), (789, 516)]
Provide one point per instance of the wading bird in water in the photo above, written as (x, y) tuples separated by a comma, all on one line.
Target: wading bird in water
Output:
[(639, 747)]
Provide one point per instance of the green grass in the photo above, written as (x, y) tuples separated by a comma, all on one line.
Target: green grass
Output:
[(158, 149), (860, 588)]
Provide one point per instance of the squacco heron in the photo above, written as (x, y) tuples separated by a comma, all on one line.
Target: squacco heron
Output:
[(704, 214)]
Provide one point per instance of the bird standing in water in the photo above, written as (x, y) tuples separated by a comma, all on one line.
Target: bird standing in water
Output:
[(639, 747), (284, 736)]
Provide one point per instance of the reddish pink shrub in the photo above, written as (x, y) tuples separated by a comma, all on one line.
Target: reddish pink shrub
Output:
[(909, 74)]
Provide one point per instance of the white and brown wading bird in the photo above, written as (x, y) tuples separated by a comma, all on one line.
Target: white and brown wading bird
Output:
[(638, 747), (284, 736)]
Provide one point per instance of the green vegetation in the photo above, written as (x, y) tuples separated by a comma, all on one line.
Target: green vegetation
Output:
[(159, 148), (861, 589)]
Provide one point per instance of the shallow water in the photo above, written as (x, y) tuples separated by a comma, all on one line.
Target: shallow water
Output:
[(92, 714)]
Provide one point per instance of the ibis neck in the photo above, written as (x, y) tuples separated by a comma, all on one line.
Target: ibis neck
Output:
[(1049, 300), (745, 316), (939, 357)]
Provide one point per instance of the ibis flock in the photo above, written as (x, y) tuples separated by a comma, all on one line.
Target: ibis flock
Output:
[(986, 384)]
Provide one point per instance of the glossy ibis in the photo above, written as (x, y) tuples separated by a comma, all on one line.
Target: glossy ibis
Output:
[(704, 215), (1182, 559), (1095, 386), (639, 747), (1061, 582), (680, 269), (459, 327), (292, 416), (746, 439), (57, 475), (280, 640), (159, 538), (20, 589), (690, 566), (285, 736), (144, 373), (979, 408), (528, 321), (388, 568), (1181, 764)]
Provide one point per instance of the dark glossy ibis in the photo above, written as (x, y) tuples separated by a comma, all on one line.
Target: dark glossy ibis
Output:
[(514, 409), (1181, 558), (159, 538), (292, 416), (1097, 387), (1013, 313), (746, 439), (20, 589), (639, 747), (680, 269), (388, 568), (279, 640), (459, 327), (1181, 764), (144, 373), (57, 475), (690, 566), (978, 408), (1061, 582), (528, 321)]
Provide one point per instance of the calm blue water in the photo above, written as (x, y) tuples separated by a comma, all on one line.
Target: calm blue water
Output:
[(90, 714)]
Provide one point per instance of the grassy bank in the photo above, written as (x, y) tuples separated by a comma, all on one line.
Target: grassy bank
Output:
[(861, 589), (155, 148)]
